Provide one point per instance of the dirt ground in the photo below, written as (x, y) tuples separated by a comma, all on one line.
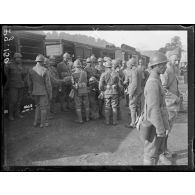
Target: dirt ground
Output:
[(92, 143)]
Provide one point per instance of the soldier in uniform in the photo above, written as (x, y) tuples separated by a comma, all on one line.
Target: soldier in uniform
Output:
[(156, 113), (132, 81), (170, 84), (108, 84), (15, 83), (79, 82), (55, 81), (41, 89), (64, 70), (100, 67), (93, 98)]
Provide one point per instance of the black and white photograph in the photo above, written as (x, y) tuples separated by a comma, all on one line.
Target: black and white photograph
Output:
[(95, 96)]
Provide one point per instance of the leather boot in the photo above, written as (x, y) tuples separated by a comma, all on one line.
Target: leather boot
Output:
[(37, 117), (11, 112), (43, 118), (87, 114), (79, 116), (115, 114), (107, 116)]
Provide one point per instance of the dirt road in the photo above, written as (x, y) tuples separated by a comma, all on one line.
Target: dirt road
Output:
[(93, 143)]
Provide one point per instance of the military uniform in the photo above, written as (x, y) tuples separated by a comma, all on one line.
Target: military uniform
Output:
[(64, 70), (41, 89), (133, 90), (109, 85), (155, 113), (15, 83), (170, 84), (79, 82), (55, 82)]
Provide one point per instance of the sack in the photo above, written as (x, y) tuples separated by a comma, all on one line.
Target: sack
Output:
[(71, 95), (147, 131)]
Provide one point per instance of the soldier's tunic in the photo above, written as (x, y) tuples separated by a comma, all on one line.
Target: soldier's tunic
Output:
[(64, 70), (80, 87), (91, 72), (15, 83), (109, 84), (100, 70), (170, 83), (155, 111), (41, 89)]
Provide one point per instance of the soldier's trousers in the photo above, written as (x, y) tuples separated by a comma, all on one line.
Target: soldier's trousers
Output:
[(42, 105), (64, 96), (133, 108), (15, 96), (111, 101), (53, 101), (153, 149), (172, 117), (81, 99)]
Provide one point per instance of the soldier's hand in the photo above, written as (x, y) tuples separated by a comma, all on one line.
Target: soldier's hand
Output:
[(167, 132), (162, 134)]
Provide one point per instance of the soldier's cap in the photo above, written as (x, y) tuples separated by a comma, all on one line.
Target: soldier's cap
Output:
[(107, 59), (158, 58), (93, 80), (66, 55), (115, 63), (100, 60), (88, 60), (40, 58), (93, 58), (171, 53), (17, 55), (77, 63), (52, 58), (131, 61), (108, 64)]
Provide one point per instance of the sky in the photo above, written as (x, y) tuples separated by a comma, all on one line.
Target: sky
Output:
[(142, 40)]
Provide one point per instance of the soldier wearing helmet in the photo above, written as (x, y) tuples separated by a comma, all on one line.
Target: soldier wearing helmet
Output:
[(131, 80), (170, 83), (15, 73), (40, 88), (155, 112), (79, 83), (100, 67), (108, 85), (64, 70), (55, 81)]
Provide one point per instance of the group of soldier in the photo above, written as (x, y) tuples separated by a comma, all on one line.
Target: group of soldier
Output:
[(94, 89)]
